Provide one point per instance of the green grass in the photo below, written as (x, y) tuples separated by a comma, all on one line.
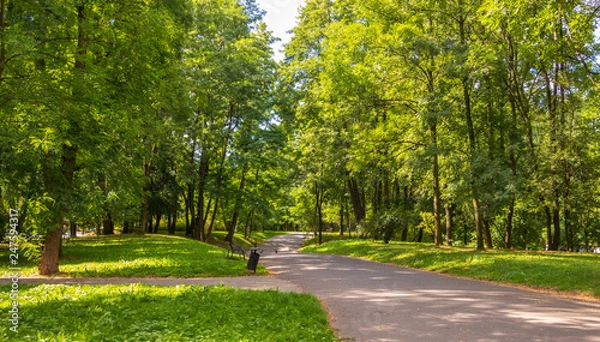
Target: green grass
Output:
[(564, 272), (139, 256), (137, 312), (327, 237), (256, 238)]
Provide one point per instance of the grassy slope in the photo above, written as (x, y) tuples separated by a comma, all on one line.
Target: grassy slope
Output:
[(565, 272), (139, 256), (148, 313), (255, 239)]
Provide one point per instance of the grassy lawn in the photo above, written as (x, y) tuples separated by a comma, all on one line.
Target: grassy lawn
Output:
[(565, 272), (327, 237), (139, 256), (256, 238), (154, 313)]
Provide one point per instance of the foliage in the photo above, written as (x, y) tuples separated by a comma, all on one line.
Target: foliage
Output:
[(476, 121), (181, 313), (568, 273), (141, 256)]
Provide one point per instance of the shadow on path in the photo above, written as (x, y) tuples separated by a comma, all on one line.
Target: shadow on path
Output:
[(378, 302)]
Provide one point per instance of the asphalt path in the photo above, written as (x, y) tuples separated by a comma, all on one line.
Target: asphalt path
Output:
[(371, 301)]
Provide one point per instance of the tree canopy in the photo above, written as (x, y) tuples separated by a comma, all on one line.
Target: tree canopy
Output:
[(460, 123)]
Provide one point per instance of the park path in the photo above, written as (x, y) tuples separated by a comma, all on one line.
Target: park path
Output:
[(371, 301)]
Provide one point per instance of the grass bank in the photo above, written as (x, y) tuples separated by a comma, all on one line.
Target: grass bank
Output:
[(139, 256), (137, 312), (568, 273), (254, 239)]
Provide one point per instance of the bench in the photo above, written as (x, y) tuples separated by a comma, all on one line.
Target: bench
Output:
[(235, 249)]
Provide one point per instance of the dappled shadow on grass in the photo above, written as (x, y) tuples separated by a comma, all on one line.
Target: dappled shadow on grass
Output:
[(375, 301), (183, 313)]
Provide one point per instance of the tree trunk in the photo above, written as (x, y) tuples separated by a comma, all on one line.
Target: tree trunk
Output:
[(247, 224), (108, 226), (146, 189), (157, 224), (212, 220), (202, 178), (189, 228), (173, 224), (126, 227), (53, 240), (556, 225), (319, 207), (448, 210), (509, 225), (236, 211), (549, 243), (73, 229), (435, 170), (342, 218), (50, 252), (355, 198)]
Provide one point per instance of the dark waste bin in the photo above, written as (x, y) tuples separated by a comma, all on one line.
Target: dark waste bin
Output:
[(253, 259)]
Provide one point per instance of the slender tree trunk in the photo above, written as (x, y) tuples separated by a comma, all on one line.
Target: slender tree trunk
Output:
[(355, 198), (406, 207), (189, 229), (556, 225), (236, 210), (73, 229), (509, 225), (435, 170), (319, 207), (448, 209), (173, 224), (169, 223), (146, 190), (342, 217), (157, 224), (212, 220), (549, 243), (202, 178)]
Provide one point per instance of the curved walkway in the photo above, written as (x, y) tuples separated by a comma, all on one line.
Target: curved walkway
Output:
[(371, 301)]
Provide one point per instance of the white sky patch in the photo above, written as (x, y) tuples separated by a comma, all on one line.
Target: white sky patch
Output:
[(280, 18)]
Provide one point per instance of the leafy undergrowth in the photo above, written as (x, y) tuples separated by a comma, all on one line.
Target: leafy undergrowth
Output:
[(137, 312), (564, 272), (139, 256)]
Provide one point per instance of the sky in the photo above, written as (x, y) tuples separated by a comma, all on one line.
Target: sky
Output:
[(280, 18)]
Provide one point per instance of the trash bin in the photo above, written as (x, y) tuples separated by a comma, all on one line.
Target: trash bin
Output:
[(253, 259)]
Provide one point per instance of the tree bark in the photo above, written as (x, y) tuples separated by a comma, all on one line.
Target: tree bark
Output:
[(448, 210), (435, 170), (212, 220), (157, 224), (355, 198), (202, 179), (108, 226), (50, 252), (319, 207), (342, 218), (236, 210)]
